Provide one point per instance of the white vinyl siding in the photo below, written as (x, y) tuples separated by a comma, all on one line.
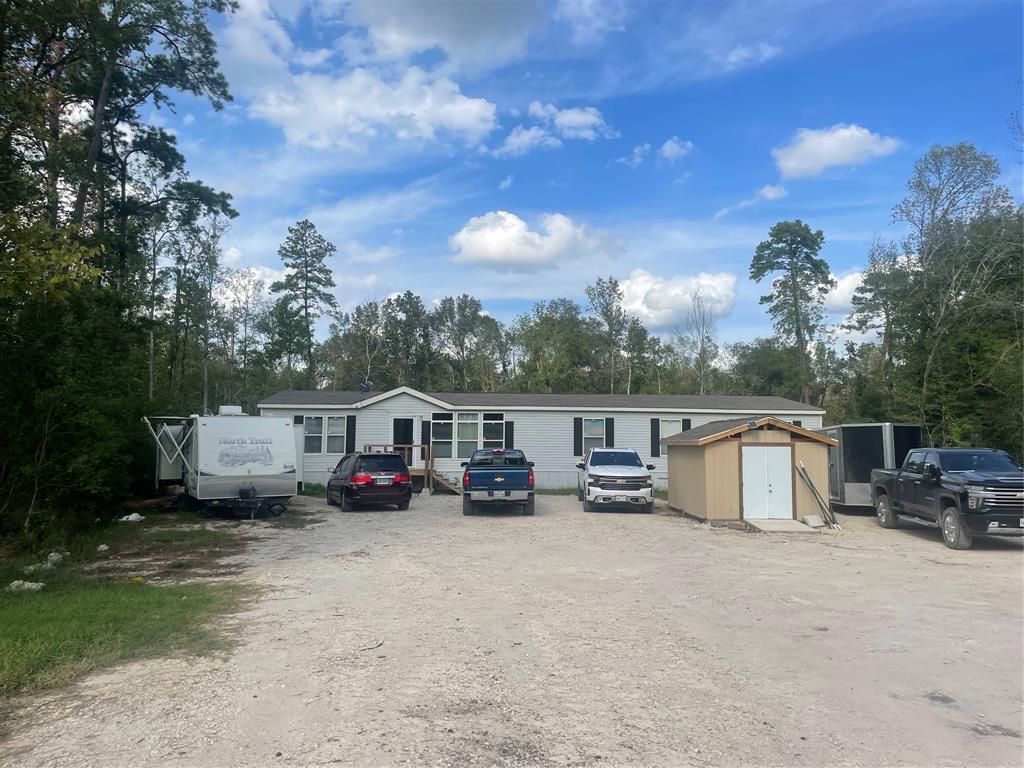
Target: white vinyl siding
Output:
[(545, 436)]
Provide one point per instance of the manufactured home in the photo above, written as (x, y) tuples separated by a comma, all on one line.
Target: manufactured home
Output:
[(554, 430)]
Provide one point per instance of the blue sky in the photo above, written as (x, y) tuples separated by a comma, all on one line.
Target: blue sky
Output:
[(516, 150)]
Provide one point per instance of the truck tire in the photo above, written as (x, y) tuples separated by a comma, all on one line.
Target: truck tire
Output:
[(649, 507), (579, 494), (467, 505), (587, 506), (955, 534), (346, 501), (884, 514), (528, 507)]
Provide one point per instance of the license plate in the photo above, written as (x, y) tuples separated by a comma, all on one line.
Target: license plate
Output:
[(382, 480), (622, 498)]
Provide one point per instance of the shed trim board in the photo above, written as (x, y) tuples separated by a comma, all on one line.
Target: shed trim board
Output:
[(545, 432)]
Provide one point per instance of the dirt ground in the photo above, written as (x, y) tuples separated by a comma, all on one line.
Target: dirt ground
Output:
[(428, 638)]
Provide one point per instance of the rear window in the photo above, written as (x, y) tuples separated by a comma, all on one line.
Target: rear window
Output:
[(380, 464), (508, 458)]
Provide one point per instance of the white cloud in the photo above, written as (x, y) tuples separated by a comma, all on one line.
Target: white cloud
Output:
[(523, 140), (188, 119), (767, 192), (573, 123), (675, 148), (636, 158), (748, 56), (662, 302), (231, 256), (840, 298), (475, 35), (810, 152), (502, 240), (505, 184), (591, 20), (355, 252), (329, 112)]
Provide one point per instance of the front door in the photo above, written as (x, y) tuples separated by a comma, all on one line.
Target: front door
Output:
[(401, 435), (767, 482)]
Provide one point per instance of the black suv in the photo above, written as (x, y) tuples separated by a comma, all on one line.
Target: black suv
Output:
[(370, 478)]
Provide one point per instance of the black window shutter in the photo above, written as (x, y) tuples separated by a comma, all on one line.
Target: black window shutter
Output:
[(609, 432), (577, 436), (350, 434), (424, 438), (686, 424), (510, 434), (297, 419), (655, 438)]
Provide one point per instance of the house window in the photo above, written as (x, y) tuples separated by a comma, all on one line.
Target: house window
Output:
[(593, 434), (797, 423), (441, 435), (494, 430), (468, 435), (671, 427), (335, 434), (313, 428)]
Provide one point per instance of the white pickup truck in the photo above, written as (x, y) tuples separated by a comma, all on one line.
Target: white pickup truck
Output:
[(615, 477)]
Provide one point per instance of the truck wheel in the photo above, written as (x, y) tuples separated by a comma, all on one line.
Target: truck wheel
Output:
[(587, 506), (955, 534), (649, 507), (346, 501), (528, 507), (579, 494), (884, 514), (467, 505)]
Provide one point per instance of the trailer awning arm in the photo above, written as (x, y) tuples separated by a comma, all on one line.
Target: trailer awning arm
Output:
[(178, 444)]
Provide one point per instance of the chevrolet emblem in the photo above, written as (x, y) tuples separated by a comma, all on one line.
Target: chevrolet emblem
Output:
[(499, 479), (620, 481)]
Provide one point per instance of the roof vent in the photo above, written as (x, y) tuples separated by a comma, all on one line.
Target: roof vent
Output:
[(230, 410), (752, 424)]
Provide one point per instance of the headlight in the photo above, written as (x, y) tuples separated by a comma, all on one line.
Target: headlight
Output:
[(646, 482), (975, 497), (595, 479)]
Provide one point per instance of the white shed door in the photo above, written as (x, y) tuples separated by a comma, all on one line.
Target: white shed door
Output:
[(767, 481)]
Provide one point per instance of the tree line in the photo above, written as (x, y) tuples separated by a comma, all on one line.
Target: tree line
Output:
[(116, 302)]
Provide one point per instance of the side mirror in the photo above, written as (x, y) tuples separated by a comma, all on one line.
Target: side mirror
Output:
[(931, 471), (465, 463), (651, 466), (529, 463), (579, 465)]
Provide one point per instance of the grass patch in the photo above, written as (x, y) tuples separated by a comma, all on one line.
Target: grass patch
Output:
[(78, 623), (557, 491), (125, 603), (661, 493), (316, 490)]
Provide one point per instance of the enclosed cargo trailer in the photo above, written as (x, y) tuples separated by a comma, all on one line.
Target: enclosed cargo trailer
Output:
[(861, 448), (228, 460)]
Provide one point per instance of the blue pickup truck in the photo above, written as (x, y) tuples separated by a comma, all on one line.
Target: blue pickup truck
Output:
[(496, 476)]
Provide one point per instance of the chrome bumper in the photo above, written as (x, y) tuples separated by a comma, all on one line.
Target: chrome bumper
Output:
[(499, 495)]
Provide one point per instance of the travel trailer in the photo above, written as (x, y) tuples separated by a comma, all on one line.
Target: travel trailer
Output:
[(230, 460)]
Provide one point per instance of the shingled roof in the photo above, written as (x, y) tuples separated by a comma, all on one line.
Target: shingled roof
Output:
[(499, 400), (723, 428)]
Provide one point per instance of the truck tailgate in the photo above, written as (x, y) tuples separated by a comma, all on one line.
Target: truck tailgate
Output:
[(499, 478)]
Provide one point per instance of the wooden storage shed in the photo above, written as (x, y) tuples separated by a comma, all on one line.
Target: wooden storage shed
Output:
[(745, 469)]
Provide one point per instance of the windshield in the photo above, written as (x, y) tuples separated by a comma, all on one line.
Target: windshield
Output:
[(615, 459), (381, 464), (508, 458), (982, 461)]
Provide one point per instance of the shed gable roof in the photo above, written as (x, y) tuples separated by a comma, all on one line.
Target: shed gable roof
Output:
[(724, 428)]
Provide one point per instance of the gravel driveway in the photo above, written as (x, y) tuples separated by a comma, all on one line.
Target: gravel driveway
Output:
[(426, 637)]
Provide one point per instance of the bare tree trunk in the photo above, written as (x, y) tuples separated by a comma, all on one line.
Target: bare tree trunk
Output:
[(98, 116)]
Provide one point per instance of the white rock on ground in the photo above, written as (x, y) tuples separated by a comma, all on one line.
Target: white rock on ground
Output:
[(24, 586), (102, 548), (134, 517), (54, 557), (45, 566)]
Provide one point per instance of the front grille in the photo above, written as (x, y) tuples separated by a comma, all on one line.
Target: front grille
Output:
[(1004, 497), (613, 486)]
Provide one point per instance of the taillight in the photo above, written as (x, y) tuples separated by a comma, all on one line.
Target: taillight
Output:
[(361, 478), (529, 478), (465, 479), (403, 478)]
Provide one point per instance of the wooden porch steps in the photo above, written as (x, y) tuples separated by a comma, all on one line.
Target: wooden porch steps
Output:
[(445, 485)]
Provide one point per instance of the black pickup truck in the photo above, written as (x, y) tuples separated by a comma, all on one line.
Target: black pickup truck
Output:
[(967, 492)]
